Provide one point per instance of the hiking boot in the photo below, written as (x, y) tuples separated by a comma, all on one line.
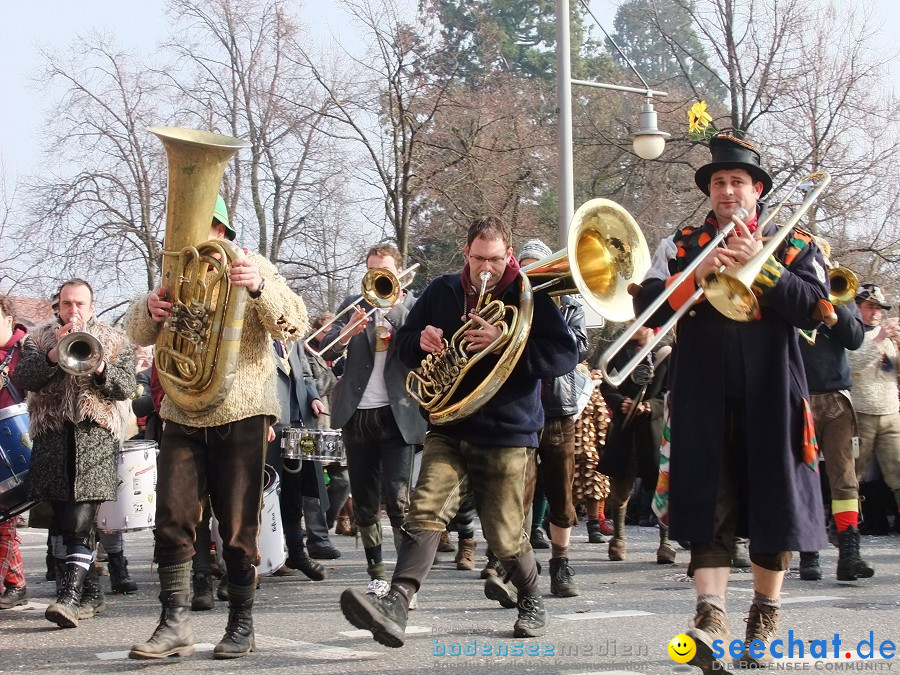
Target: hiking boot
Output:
[(562, 585), (384, 617), (173, 635), (538, 540), (92, 599), (445, 545), (222, 589), (239, 639), (342, 526), (532, 620), (323, 552), (710, 624), (762, 624), (64, 612), (465, 556), (740, 555), (496, 588), (203, 592), (298, 560), (493, 568), (595, 536), (119, 579), (13, 597), (809, 566), (617, 548), (851, 566), (665, 554)]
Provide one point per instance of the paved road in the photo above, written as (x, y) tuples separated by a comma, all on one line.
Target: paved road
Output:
[(621, 623)]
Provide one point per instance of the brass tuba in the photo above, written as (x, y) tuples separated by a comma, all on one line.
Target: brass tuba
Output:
[(197, 349), (605, 252)]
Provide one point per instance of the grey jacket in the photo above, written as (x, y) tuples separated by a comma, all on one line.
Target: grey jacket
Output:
[(561, 393), (360, 359)]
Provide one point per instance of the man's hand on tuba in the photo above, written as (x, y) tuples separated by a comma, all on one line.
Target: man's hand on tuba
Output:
[(431, 340), (157, 305), (480, 336)]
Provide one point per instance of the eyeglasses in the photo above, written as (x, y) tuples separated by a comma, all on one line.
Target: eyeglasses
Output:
[(496, 260)]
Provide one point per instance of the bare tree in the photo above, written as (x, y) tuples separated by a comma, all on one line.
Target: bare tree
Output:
[(96, 209)]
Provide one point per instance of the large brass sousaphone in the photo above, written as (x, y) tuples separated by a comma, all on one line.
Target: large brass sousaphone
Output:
[(197, 350), (605, 252)]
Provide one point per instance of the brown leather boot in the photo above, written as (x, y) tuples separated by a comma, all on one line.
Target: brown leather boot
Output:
[(710, 624), (465, 557), (762, 624)]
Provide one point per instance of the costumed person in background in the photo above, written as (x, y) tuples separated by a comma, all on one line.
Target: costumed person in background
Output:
[(635, 435), (488, 453), (300, 479), (77, 425), (589, 486), (380, 423), (828, 374), (743, 452), (220, 452), (556, 447), (14, 590)]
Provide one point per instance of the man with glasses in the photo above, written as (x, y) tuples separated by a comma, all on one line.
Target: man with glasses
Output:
[(874, 368), (490, 452)]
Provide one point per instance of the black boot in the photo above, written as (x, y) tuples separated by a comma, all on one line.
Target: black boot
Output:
[(59, 564), (562, 585), (64, 612), (92, 599), (298, 560), (532, 621), (238, 639), (384, 617), (595, 536), (119, 579), (809, 566), (851, 566), (173, 635), (203, 592)]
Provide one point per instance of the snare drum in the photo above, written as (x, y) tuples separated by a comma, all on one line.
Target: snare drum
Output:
[(135, 505), (324, 445), (271, 532), (15, 460)]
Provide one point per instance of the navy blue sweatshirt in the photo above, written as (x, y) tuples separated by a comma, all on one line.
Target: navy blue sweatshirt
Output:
[(513, 417), (826, 361)]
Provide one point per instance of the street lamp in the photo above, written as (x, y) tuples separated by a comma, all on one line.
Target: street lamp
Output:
[(648, 141)]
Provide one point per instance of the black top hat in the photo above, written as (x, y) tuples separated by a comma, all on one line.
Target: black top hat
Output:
[(872, 293), (730, 152)]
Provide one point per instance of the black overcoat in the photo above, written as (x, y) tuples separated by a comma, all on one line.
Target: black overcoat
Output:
[(757, 364)]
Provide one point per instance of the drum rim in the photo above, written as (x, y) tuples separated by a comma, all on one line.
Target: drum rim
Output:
[(13, 410)]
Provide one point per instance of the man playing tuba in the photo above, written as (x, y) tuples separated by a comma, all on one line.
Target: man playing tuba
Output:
[(488, 453), (221, 451)]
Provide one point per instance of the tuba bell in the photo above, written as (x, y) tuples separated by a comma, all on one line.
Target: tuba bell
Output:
[(197, 349), (605, 253)]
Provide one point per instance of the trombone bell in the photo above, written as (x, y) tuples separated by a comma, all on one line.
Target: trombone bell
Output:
[(606, 252), (844, 285)]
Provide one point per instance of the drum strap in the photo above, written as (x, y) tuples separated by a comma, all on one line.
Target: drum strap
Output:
[(5, 379)]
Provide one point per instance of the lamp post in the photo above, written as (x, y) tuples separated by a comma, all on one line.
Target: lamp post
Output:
[(648, 141)]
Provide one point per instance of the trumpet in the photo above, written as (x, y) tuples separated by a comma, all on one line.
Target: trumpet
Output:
[(380, 288), (78, 352), (728, 291)]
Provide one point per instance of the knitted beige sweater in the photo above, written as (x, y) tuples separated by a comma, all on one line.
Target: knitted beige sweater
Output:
[(874, 389), (278, 313)]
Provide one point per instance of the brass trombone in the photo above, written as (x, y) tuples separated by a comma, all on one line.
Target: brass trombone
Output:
[(380, 288), (728, 291)]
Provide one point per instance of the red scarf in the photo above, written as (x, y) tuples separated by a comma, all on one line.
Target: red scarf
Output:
[(509, 275)]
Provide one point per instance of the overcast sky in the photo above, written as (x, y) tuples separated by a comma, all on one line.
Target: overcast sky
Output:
[(141, 23)]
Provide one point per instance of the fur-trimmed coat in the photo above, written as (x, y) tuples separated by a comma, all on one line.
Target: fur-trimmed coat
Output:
[(97, 407)]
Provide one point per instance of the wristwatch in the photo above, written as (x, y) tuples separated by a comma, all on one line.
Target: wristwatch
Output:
[(258, 292)]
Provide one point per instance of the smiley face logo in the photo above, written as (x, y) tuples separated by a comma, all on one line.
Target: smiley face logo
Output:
[(682, 648)]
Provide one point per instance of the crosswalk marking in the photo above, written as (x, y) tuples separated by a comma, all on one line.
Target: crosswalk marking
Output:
[(410, 630), (615, 614)]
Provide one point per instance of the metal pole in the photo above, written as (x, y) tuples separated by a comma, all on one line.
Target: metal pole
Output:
[(564, 104)]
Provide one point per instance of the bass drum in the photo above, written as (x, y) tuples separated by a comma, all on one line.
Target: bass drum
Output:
[(135, 505), (15, 460)]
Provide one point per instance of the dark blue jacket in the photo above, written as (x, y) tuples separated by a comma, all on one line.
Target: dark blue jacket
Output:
[(825, 362), (513, 417)]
